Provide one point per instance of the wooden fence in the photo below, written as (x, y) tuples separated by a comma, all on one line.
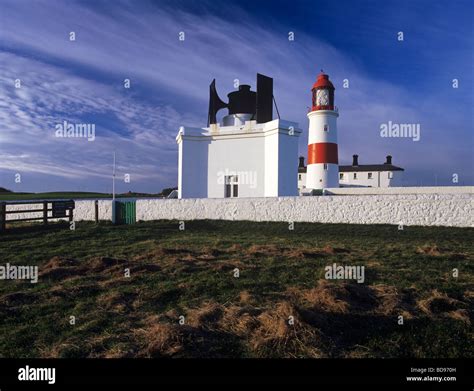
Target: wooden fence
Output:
[(58, 208)]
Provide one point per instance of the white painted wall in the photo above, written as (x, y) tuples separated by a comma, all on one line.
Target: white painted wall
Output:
[(379, 179), (433, 190), (256, 153), (236, 155), (410, 209), (301, 180), (431, 206), (317, 120), (192, 163), (287, 171)]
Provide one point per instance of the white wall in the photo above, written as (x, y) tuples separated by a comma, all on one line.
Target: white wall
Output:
[(244, 155), (254, 151), (302, 181), (437, 209), (287, 170), (469, 190), (192, 164), (437, 206), (379, 178)]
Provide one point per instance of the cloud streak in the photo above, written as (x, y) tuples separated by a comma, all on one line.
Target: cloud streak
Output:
[(82, 82)]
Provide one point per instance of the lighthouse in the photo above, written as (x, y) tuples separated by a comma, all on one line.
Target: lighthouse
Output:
[(323, 169)]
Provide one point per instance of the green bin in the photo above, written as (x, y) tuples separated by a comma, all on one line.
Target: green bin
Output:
[(125, 212)]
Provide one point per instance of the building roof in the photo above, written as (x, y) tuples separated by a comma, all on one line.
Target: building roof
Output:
[(370, 167)]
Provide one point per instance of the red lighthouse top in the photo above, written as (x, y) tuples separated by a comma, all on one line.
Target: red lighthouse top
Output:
[(323, 93), (323, 82)]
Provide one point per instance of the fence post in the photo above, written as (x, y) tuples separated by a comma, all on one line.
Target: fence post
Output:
[(3, 216), (45, 213), (96, 211)]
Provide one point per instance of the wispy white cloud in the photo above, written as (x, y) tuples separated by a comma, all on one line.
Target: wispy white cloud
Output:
[(81, 81)]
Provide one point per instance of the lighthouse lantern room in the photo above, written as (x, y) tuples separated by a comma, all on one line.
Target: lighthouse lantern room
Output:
[(322, 169)]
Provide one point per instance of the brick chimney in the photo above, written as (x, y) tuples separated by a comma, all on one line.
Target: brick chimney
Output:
[(355, 160), (301, 165)]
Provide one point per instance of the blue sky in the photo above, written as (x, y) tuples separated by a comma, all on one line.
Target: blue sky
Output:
[(407, 81)]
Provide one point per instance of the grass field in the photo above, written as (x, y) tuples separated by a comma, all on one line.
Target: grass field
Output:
[(190, 273)]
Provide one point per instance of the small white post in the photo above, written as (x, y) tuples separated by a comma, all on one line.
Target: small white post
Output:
[(113, 193), (113, 181)]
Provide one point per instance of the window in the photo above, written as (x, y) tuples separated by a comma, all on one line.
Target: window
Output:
[(299, 177), (341, 175), (390, 175), (231, 186), (355, 175), (326, 128), (325, 166), (369, 175)]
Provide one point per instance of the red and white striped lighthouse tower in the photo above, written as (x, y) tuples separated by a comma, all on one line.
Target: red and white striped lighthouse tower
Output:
[(323, 168)]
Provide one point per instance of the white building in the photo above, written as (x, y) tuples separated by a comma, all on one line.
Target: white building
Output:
[(370, 175), (248, 154), (361, 175)]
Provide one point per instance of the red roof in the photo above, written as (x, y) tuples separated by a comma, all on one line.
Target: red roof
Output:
[(323, 81)]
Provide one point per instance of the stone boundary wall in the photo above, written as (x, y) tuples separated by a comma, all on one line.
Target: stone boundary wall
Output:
[(442, 208), (453, 210), (401, 190)]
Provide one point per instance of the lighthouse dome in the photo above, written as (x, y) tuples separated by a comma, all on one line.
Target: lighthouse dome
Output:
[(323, 82)]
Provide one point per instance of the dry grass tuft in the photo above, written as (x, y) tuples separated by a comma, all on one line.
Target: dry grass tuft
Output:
[(245, 297), (327, 296), (438, 303), (282, 332), (161, 339), (263, 250), (235, 248), (58, 268), (205, 317), (431, 250)]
